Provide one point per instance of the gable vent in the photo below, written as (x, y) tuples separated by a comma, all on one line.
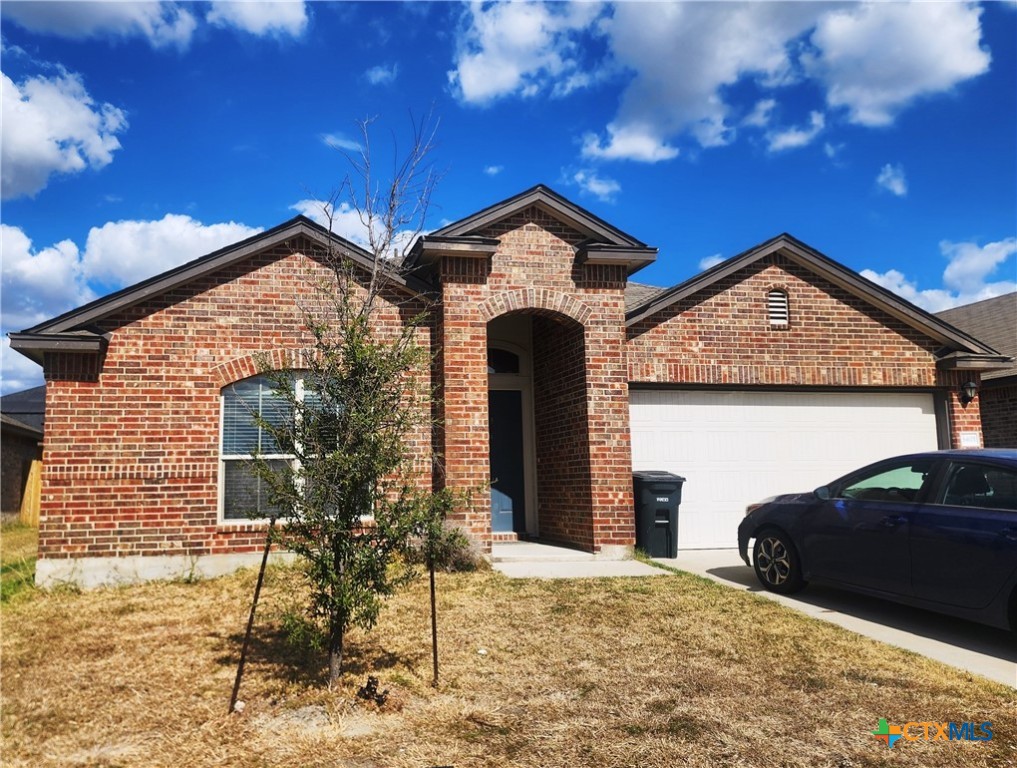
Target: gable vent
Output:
[(777, 307)]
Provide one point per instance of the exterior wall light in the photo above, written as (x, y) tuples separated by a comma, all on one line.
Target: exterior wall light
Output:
[(969, 391)]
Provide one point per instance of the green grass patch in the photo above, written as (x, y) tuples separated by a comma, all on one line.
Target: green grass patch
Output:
[(18, 548)]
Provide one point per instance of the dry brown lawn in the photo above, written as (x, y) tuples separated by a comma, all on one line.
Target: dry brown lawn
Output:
[(667, 671)]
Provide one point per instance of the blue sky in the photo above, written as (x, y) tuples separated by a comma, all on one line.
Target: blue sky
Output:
[(137, 136)]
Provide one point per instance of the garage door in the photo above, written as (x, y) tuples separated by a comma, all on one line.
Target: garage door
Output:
[(735, 448)]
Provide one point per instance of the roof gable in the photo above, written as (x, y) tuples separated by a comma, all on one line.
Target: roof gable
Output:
[(955, 340), (550, 202), (203, 265), (74, 331), (602, 243)]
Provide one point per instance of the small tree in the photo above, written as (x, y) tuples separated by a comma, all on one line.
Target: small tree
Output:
[(349, 500)]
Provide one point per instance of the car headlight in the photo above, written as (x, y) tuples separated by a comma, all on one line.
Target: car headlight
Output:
[(753, 507)]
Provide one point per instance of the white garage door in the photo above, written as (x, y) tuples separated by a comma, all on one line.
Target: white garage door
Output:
[(735, 448)]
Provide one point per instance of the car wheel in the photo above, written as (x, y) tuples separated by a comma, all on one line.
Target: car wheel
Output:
[(776, 562)]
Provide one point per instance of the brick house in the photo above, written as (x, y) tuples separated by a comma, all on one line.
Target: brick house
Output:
[(994, 321), (776, 370)]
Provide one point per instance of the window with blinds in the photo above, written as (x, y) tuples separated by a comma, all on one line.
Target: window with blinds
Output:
[(244, 495), (777, 308)]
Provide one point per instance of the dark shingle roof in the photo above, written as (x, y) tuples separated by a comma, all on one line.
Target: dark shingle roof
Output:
[(639, 293), (993, 321), (26, 409)]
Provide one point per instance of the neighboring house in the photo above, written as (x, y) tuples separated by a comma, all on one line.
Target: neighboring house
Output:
[(22, 415), (774, 371), (994, 321)]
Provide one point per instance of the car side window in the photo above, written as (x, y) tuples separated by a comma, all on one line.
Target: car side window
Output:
[(978, 485), (901, 483)]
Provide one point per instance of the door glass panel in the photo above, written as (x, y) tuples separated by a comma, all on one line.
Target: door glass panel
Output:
[(972, 485), (897, 484)]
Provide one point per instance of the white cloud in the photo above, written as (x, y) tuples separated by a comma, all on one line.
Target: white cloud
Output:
[(680, 59), (38, 284), (793, 138), (682, 55), (346, 222), (972, 265), (52, 125), (381, 74), (519, 48), (161, 23), (17, 372), (641, 143), (831, 150), (876, 58), (600, 187), (261, 18), (124, 252), (494, 170), (761, 113), (338, 141), (892, 179), (710, 261), (966, 279)]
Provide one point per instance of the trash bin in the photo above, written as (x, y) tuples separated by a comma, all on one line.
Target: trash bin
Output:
[(657, 496)]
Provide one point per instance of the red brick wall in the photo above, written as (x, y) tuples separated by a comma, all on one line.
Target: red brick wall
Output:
[(132, 448), (534, 270), (563, 446), (998, 406)]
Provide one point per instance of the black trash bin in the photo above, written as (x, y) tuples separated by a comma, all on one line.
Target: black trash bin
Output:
[(657, 496)]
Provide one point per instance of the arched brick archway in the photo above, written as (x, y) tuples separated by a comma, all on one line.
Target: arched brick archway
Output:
[(536, 301), (538, 429)]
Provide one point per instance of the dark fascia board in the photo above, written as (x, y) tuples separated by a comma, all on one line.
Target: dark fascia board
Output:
[(35, 345), (551, 202), (959, 361), (18, 428), (836, 273), (429, 248), (192, 270), (633, 259)]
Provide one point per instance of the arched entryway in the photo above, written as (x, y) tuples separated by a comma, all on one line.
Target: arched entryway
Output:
[(538, 431)]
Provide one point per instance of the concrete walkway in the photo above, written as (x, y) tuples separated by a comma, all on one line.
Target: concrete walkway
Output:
[(981, 650), (530, 560)]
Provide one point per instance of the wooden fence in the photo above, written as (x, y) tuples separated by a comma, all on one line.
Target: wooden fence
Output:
[(33, 493)]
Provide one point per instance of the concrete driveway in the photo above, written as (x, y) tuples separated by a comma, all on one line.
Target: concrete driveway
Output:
[(982, 650)]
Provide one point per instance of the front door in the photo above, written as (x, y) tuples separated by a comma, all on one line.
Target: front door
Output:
[(508, 480)]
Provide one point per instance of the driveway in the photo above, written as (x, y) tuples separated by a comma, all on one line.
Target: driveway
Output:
[(981, 650)]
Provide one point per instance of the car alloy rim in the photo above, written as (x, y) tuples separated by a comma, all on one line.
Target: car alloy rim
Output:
[(773, 560)]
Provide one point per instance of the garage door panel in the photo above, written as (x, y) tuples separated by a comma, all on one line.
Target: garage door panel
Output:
[(735, 448)]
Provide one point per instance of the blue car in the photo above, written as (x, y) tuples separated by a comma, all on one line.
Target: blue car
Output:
[(934, 530)]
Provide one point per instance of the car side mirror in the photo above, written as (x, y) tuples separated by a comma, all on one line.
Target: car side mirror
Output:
[(822, 493)]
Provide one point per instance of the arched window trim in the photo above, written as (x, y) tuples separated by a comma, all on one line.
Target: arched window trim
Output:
[(521, 354), (778, 307)]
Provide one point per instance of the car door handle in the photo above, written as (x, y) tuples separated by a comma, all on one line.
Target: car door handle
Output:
[(893, 521), (1010, 534)]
